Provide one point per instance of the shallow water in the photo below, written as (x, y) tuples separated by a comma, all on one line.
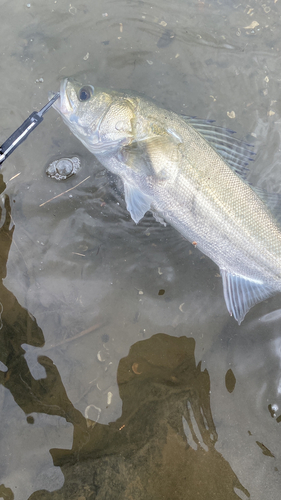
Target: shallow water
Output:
[(94, 403)]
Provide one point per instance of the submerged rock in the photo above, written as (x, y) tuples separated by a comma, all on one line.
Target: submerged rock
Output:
[(63, 168)]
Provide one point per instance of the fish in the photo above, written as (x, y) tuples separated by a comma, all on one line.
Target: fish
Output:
[(189, 173)]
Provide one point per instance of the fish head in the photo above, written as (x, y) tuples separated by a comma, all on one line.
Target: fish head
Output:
[(101, 119)]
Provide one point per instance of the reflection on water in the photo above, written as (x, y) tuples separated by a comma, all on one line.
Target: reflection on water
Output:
[(163, 444)]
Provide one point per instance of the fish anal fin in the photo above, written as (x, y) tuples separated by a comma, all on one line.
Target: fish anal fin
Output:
[(241, 293)]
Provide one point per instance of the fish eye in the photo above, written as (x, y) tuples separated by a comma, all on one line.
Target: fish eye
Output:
[(85, 93)]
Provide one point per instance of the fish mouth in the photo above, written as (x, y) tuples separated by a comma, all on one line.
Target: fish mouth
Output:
[(51, 94), (64, 105)]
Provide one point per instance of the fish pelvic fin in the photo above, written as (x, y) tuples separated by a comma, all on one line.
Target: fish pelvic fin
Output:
[(137, 202), (241, 293)]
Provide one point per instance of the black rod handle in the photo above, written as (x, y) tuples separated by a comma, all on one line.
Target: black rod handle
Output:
[(24, 130)]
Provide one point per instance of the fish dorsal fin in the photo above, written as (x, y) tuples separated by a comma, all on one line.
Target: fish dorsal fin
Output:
[(241, 293), (137, 202), (272, 201), (235, 152)]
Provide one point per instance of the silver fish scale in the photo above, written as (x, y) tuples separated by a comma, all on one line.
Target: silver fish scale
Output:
[(209, 204), (167, 166)]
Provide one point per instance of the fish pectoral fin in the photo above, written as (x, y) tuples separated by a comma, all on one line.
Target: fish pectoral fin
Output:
[(137, 202), (241, 293), (164, 155), (157, 156)]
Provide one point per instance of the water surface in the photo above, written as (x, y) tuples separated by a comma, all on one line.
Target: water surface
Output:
[(123, 375)]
